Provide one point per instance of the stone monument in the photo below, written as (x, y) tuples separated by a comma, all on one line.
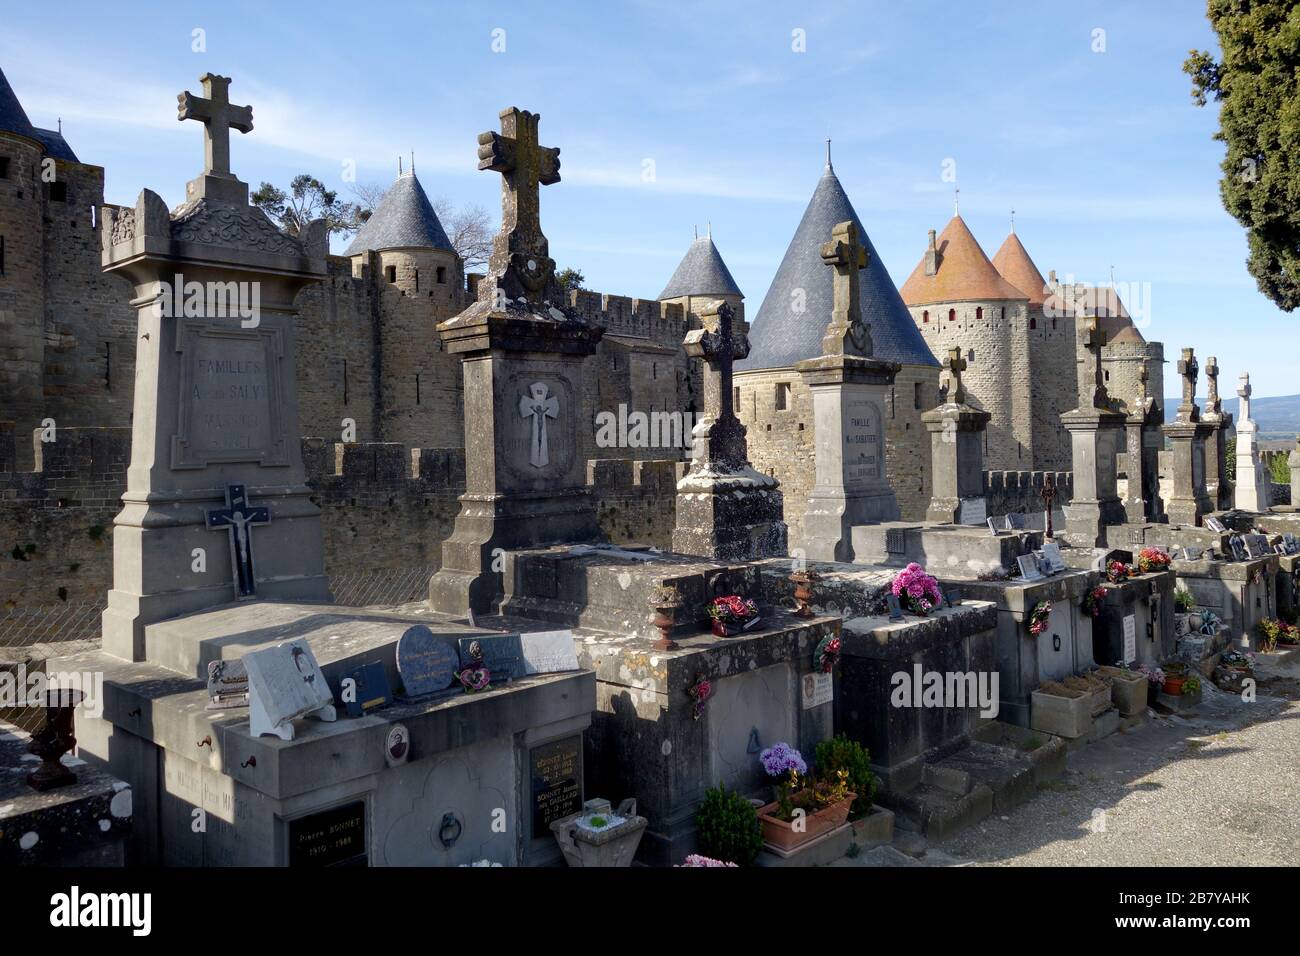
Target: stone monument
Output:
[(1187, 434), (957, 452), (522, 352), (1095, 432), (1142, 498), (848, 388), (726, 510), (1217, 484), (1252, 479), (215, 396)]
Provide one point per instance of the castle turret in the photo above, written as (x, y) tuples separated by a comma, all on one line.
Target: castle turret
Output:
[(772, 401), (958, 299), (700, 277)]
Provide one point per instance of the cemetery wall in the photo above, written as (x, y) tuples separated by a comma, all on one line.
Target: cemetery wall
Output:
[(1021, 491)]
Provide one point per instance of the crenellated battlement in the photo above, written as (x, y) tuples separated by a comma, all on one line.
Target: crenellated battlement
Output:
[(663, 322), (1021, 491)]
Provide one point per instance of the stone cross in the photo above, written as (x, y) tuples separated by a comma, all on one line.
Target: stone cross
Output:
[(238, 518), (1244, 392), (846, 334), (540, 407), (719, 344), (218, 116), (1212, 403), (955, 366), (1093, 343), (520, 247), (1048, 494), (1189, 370)]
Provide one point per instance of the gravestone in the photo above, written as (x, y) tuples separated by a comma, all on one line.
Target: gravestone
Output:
[(502, 655), (1252, 476), (1095, 435), (957, 452), (848, 389), (522, 351), (425, 663), (1218, 486), (1142, 501), (215, 403), (725, 509), (285, 683), (548, 652), (1189, 500)]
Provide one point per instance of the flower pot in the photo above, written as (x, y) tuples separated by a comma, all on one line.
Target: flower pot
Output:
[(665, 619), (1194, 621), (1173, 686), (732, 628), (1181, 624), (611, 846), (782, 834)]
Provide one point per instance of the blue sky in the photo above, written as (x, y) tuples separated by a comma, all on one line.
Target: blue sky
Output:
[(1102, 155)]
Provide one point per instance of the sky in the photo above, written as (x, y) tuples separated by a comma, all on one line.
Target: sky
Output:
[(675, 115)]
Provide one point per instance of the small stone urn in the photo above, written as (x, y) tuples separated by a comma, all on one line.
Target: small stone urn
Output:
[(54, 739), (666, 602), (803, 582), (600, 837)]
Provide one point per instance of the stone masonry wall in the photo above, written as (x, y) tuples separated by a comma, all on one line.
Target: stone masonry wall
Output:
[(1008, 492), (1053, 362)]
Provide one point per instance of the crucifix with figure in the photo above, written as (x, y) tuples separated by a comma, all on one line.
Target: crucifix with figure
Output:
[(218, 116), (846, 334), (520, 260), (538, 405), (238, 518)]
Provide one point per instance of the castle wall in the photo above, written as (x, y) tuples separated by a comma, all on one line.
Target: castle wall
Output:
[(1122, 363), (1053, 364)]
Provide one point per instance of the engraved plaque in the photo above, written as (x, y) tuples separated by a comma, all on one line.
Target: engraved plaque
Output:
[(863, 444)]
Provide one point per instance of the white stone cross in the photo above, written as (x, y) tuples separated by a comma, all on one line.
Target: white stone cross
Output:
[(1244, 392), (540, 407), (218, 117)]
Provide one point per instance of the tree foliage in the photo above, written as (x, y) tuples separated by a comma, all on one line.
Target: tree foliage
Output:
[(308, 199), (570, 280), (1257, 83)]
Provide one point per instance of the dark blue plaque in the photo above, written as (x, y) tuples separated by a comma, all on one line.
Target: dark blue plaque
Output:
[(369, 689), (502, 654), (427, 664), (895, 609)]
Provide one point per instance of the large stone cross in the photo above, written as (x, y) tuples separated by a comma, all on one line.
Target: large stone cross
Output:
[(524, 166), (1093, 343), (955, 366), (218, 117), (238, 518), (719, 344), (1189, 370), (1244, 392), (846, 334), (1212, 403)]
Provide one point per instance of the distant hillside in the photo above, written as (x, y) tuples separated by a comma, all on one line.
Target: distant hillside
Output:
[(1278, 417)]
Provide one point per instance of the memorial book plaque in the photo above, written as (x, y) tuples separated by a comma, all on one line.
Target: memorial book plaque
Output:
[(555, 771), (334, 837)]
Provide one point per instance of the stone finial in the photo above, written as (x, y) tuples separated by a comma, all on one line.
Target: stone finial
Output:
[(846, 334), (218, 116), (1091, 358), (520, 263), (955, 365), (1244, 392)]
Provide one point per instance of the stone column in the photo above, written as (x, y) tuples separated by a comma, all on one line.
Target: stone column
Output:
[(1252, 481), (956, 451), (848, 390), (1095, 436), (1142, 499), (216, 402), (1189, 499), (522, 355), (1217, 484)]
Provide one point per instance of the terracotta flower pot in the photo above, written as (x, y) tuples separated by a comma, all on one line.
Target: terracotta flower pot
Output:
[(782, 834), (1173, 686)]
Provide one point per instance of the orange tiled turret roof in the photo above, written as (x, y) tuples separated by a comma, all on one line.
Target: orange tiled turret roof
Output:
[(1014, 265), (962, 272)]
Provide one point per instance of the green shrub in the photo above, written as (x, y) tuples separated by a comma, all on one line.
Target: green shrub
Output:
[(841, 753), (727, 827), (1183, 600)]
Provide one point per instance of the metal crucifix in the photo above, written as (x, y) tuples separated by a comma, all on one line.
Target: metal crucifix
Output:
[(238, 518)]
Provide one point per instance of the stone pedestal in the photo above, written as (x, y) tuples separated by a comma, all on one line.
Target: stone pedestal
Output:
[(1142, 496), (1143, 608), (1189, 500), (1252, 478), (850, 488), (1095, 437), (215, 406), (957, 463), (525, 481), (1218, 488)]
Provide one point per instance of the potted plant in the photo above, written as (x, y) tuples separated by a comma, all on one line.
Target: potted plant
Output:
[(732, 614), (600, 837), (1175, 677), (1183, 603), (916, 590), (806, 808), (1155, 680), (1233, 669), (782, 763), (727, 827), (1152, 559), (872, 825), (697, 859), (666, 601)]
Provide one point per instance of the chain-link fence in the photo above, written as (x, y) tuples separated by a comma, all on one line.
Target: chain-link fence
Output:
[(49, 624), (362, 588)]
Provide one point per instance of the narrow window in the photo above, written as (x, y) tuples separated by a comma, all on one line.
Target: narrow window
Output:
[(916, 395), (1053, 324), (58, 192), (735, 398), (108, 365), (345, 381), (925, 316), (970, 356), (1033, 323), (952, 315), (979, 313), (391, 273), (654, 370), (417, 279), (417, 388), (782, 396), (442, 275), (4, 167), (2, 255)]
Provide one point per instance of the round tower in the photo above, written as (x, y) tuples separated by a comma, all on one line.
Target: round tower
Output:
[(700, 277)]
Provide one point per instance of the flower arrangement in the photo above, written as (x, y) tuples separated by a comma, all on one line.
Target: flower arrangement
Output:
[(1234, 659), (1092, 601), (827, 654), (1117, 571), (1039, 616), (810, 794), (699, 692), (782, 762), (1183, 600), (1192, 685), (1154, 675), (731, 613), (1152, 559), (1275, 632), (697, 859), (475, 677), (841, 753), (916, 590)]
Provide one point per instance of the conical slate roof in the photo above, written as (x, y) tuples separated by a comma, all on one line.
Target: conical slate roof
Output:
[(1014, 265), (404, 220), (780, 336), (964, 273), (13, 119), (701, 272)]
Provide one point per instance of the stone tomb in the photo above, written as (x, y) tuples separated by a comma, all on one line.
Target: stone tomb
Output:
[(1025, 660), (954, 551), (1241, 593), (416, 783), (1136, 621)]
